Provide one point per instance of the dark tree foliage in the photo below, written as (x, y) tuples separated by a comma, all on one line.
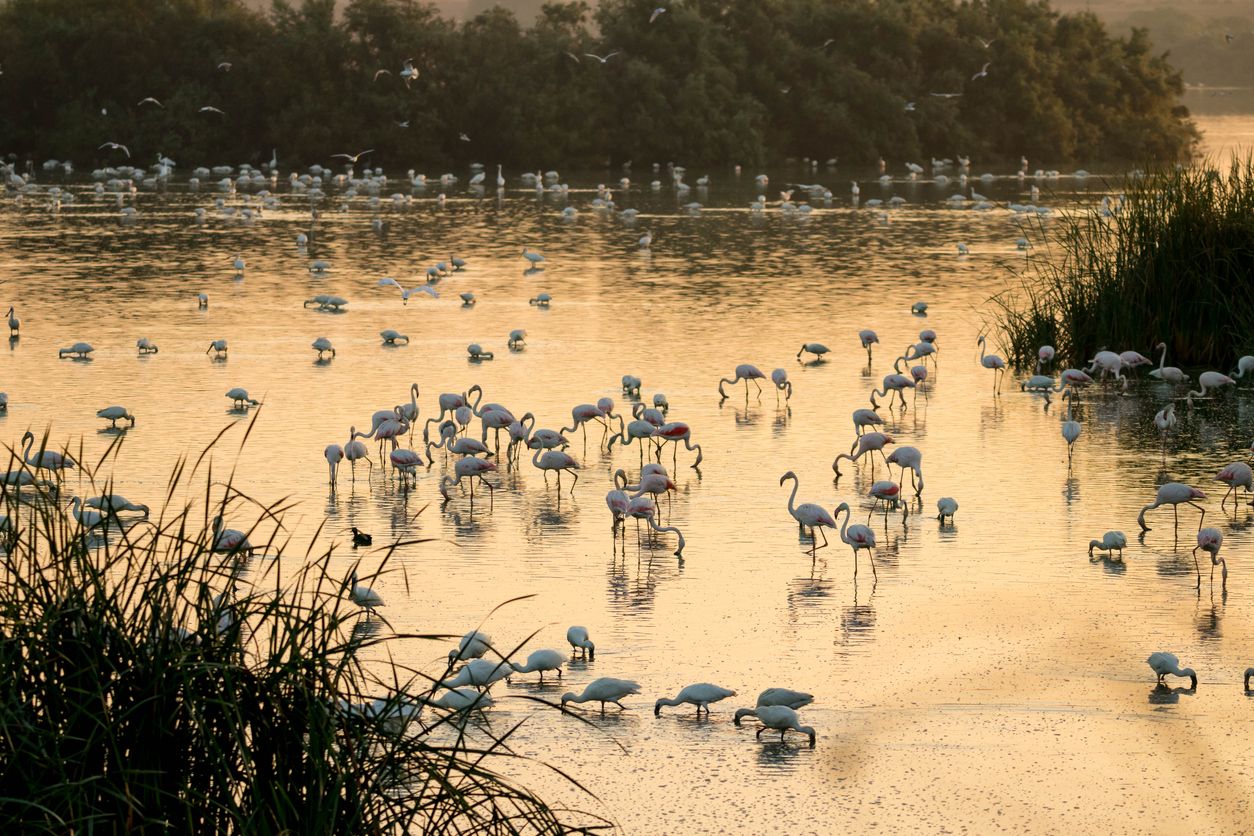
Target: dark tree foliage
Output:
[(708, 81)]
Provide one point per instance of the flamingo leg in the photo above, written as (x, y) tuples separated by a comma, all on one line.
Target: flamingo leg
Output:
[(1203, 510), (871, 557), (1199, 571), (820, 532)]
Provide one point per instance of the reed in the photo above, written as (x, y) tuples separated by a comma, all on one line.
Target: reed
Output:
[(154, 685), (1169, 261)]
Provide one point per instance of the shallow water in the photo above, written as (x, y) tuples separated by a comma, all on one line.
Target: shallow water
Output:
[(993, 676)]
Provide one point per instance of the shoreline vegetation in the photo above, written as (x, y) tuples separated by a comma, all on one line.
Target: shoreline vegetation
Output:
[(159, 684), (710, 82), (1168, 260)]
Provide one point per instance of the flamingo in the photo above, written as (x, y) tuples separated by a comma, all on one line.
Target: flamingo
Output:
[(617, 501), (868, 442), (1109, 362), (887, 492), (865, 418), (1073, 378), (1167, 663), (858, 537), (991, 361), (631, 385), (44, 459), (1173, 494), (1111, 542), (334, 454), (1245, 365), (808, 514), (409, 411), (638, 429), (582, 414), (1070, 427), (469, 468), (1170, 374), (559, 461), (322, 345), (1236, 475), (868, 337), (946, 507), (354, 450), (389, 429), (1133, 359), (1044, 356), (578, 639), (782, 384), (653, 415), (817, 349), (775, 696), (654, 482), (781, 718), (364, 596), (922, 349), (603, 690), (700, 695), (115, 414), (909, 458), (517, 337), (675, 432), (1165, 421), (641, 508), (541, 660), (519, 432), (229, 540), (1209, 380), (472, 646), (1209, 540), (893, 383), (450, 402), (458, 445), (406, 462), (15, 324), (745, 372)]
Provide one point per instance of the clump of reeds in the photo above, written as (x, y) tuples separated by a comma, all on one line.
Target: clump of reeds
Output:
[(1169, 260), (148, 687)]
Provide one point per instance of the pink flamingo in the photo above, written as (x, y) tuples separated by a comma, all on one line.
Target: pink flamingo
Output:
[(892, 383), (637, 430), (782, 384), (406, 462), (808, 514), (653, 415), (857, 536), (457, 445), (863, 418), (388, 430), (1209, 540), (229, 540), (1236, 475), (745, 372), (470, 469), (867, 443), (909, 458), (582, 414), (334, 455), (354, 450), (559, 461), (1170, 374), (617, 501), (675, 432), (887, 492), (449, 402), (994, 362), (653, 482), (641, 508), (1209, 380), (1173, 494), (868, 338), (495, 420)]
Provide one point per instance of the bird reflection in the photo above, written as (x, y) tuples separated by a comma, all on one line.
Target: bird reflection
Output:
[(1163, 695), (809, 592), (774, 754), (1110, 565)]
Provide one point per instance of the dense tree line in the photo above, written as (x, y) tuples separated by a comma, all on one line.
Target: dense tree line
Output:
[(712, 81)]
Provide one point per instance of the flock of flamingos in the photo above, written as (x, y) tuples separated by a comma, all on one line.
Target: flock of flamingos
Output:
[(476, 457)]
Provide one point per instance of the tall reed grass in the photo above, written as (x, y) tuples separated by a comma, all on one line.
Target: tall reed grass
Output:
[(1171, 260), (154, 685)]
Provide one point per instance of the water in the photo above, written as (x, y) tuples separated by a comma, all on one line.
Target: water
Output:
[(993, 677)]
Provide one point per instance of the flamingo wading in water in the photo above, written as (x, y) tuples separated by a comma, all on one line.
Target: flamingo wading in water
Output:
[(808, 514), (1173, 494)]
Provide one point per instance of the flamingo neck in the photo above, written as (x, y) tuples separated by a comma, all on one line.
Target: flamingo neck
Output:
[(796, 483)]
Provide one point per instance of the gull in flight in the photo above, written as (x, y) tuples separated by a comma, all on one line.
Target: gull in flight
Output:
[(212, 109), (116, 145), (462, 136), (910, 107), (409, 73), (148, 100), (658, 12), (945, 95), (404, 124), (572, 56), (378, 73), (599, 58), (987, 44), (225, 66), (353, 157), (982, 73)]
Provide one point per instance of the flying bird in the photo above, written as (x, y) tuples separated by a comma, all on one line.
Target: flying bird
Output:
[(409, 72), (599, 58), (987, 44), (982, 73), (115, 146), (945, 95), (463, 137), (225, 66), (212, 109), (909, 107), (404, 124), (148, 100), (572, 56), (378, 73), (658, 12), (353, 157)]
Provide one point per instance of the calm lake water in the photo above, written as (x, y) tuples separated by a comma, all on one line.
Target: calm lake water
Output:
[(993, 678)]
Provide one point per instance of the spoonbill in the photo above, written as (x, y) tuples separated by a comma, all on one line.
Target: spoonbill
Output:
[(364, 596), (1166, 663), (745, 372), (79, 351), (15, 324), (473, 645), (1173, 494), (533, 257), (145, 346), (218, 347), (775, 696), (322, 345), (541, 661), (479, 673), (781, 718), (946, 506), (701, 695), (114, 414), (1209, 540), (858, 537), (240, 400), (115, 503), (390, 336), (579, 641), (1112, 541), (463, 699), (817, 349), (808, 513), (603, 690)]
